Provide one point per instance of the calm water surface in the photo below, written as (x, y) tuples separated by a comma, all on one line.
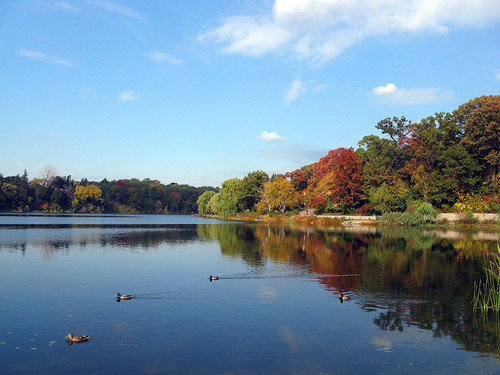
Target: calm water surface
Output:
[(274, 310)]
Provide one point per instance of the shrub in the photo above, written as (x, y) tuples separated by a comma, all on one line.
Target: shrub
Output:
[(365, 209), (420, 214), (476, 203)]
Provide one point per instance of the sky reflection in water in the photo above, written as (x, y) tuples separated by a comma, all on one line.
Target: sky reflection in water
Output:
[(275, 309)]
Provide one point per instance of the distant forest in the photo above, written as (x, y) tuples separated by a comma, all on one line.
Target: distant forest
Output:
[(449, 161), (52, 193)]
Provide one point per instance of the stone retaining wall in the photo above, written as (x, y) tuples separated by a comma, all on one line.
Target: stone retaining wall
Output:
[(457, 217), (440, 217)]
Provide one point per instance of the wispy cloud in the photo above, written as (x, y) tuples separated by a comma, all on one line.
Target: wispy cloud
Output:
[(66, 7), (127, 96), (299, 88), (86, 93), (163, 57), (296, 90), (271, 137), (390, 93), (34, 55), (119, 9), (318, 30)]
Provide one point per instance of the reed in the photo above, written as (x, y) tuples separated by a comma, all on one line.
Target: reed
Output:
[(487, 293)]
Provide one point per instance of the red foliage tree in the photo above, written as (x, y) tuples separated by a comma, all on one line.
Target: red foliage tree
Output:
[(300, 178), (343, 168), (124, 184)]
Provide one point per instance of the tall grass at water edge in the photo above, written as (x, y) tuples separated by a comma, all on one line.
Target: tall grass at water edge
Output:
[(487, 292)]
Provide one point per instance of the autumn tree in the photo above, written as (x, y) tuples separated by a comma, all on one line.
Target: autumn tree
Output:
[(339, 176), (301, 178), (278, 194), (87, 198), (88, 194)]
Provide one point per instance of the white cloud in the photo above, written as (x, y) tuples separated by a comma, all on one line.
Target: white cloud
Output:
[(163, 57), (249, 35), (384, 90), (127, 96), (33, 55), (391, 94), (318, 30), (271, 137), (497, 76)]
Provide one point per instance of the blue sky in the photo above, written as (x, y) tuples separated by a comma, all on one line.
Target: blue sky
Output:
[(197, 92)]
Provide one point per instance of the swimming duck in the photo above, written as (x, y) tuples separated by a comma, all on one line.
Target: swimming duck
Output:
[(77, 338), (124, 296), (344, 298), (213, 278)]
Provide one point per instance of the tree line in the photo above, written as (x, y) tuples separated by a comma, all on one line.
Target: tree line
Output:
[(52, 193), (449, 160)]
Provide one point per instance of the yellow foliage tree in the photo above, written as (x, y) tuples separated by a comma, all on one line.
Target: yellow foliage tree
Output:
[(325, 186), (278, 194), (88, 194)]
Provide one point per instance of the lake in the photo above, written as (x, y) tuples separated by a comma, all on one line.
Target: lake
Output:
[(274, 310)]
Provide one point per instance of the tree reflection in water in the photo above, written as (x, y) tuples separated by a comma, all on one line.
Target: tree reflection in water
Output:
[(413, 277)]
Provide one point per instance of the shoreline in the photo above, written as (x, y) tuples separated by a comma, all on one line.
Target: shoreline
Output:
[(306, 217)]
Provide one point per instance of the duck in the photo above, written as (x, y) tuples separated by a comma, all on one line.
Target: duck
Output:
[(213, 278), (77, 338), (343, 297), (124, 296)]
